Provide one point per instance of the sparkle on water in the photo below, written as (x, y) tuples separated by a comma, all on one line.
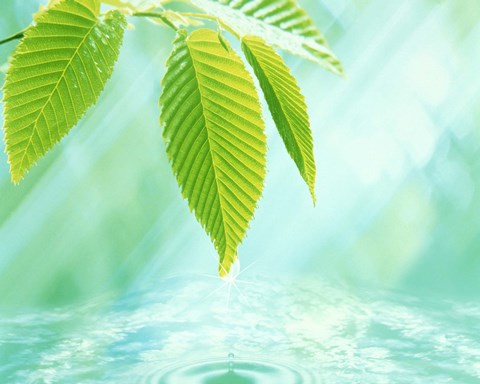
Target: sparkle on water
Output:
[(187, 330)]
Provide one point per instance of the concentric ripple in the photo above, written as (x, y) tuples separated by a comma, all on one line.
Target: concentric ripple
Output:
[(230, 371), (281, 332)]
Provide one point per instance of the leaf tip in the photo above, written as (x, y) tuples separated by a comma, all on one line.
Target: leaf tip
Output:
[(223, 41), (225, 265), (16, 176), (314, 197), (222, 271)]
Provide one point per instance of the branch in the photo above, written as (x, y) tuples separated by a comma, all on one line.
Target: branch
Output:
[(157, 15), (15, 36), (213, 18)]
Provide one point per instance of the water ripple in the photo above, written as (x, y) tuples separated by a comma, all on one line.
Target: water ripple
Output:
[(303, 332)]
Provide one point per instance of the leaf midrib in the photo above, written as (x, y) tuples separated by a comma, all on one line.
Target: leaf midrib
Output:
[(214, 166), (69, 63), (274, 95)]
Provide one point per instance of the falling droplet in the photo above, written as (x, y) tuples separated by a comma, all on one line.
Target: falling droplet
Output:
[(233, 273), (231, 356)]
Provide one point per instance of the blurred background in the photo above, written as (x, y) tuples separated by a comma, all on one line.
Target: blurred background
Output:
[(396, 143), (106, 277)]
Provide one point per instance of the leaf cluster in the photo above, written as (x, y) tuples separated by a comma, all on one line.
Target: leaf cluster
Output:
[(210, 111)]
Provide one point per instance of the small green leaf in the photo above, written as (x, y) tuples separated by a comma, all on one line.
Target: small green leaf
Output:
[(286, 103), (281, 23), (215, 138), (58, 71)]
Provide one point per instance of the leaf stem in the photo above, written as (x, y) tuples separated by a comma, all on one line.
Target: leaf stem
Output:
[(15, 36), (214, 18), (157, 15)]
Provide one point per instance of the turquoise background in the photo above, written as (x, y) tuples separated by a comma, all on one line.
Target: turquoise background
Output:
[(389, 257), (396, 144)]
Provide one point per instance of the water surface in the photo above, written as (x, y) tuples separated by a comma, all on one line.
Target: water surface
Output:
[(204, 330)]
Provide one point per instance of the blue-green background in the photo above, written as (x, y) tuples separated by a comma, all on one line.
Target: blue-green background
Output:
[(106, 277), (396, 143)]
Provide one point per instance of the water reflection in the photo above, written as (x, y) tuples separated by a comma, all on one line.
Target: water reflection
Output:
[(231, 372), (280, 331), (230, 377)]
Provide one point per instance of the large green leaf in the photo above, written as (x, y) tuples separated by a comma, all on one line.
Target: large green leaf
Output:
[(215, 138), (281, 23), (286, 103), (58, 71), (44, 8)]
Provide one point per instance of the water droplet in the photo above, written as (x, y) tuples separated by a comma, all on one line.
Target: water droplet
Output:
[(233, 273), (93, 46), (230, 362)]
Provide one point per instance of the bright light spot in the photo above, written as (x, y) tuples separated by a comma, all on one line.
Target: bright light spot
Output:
[(233, 274)]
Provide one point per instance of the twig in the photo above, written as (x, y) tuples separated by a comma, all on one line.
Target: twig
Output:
[(15, 36)]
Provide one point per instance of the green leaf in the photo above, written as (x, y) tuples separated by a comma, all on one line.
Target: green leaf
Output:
[(215, 138), (286, 103), (281, 23), (222, 40), (44, 8), (57, 72)]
